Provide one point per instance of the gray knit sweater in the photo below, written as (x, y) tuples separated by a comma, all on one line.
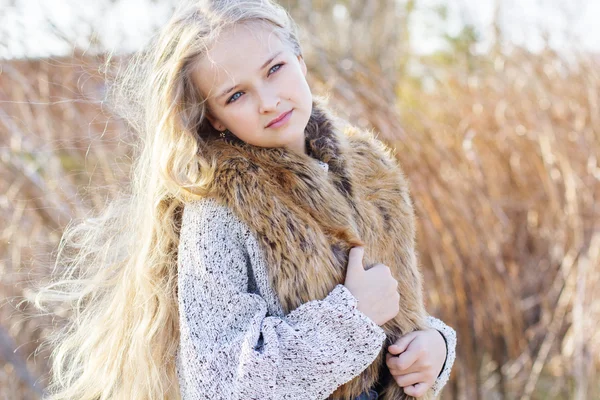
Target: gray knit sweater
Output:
[(236, 342)]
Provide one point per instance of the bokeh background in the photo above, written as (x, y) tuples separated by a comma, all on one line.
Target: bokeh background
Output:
[(493, 108)]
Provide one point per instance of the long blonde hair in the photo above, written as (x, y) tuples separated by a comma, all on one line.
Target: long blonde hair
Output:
[(117, 273)]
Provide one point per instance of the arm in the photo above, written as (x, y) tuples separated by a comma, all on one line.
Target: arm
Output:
[(232, 349), (449, 336)]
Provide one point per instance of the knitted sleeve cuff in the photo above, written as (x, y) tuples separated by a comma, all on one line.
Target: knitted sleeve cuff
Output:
[(449, 336)]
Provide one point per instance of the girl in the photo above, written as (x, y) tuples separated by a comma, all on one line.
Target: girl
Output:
[(236, 268)]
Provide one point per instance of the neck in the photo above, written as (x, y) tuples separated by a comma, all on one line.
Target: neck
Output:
[(298, 147)]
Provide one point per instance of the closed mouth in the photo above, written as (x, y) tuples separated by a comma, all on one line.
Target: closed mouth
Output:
[(278, 118)]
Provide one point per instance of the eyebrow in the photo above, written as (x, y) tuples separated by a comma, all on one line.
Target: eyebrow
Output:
[(260, 69)]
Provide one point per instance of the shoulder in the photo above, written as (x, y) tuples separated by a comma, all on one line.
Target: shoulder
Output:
[(206, 209), (210, 219), (367, 142), (210, 237), (367, 149)]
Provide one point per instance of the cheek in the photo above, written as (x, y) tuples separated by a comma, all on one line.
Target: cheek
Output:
[(241, 115), (305, 95), (299, 82), (300, 85), (244, 120), (249, 116)]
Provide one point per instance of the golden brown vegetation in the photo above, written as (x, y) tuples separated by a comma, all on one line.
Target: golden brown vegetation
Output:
[(502, 153)]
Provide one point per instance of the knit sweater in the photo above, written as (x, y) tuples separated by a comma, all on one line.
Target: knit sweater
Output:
[(236, 342)]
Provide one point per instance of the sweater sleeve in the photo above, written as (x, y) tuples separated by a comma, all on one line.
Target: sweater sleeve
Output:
[(230, 348), (449, 336)]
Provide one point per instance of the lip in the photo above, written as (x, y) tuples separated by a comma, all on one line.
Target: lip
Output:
[(280, 120)]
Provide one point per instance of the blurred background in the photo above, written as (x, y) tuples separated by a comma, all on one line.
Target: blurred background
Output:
[(494, 110)]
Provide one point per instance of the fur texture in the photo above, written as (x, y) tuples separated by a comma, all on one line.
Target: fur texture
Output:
[(307, 220)]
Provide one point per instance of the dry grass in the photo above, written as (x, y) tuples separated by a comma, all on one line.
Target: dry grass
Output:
[(503, 159)]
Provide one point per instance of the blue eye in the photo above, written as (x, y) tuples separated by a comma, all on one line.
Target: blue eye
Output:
[(276, 65), (271, 71), (233, 98)]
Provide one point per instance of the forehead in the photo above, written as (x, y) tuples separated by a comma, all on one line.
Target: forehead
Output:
[(237, 55)]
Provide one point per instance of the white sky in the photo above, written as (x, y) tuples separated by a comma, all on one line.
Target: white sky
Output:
[(570, 24), (127, 23)]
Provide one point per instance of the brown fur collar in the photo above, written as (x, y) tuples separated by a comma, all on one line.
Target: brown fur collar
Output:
[(307, 220)]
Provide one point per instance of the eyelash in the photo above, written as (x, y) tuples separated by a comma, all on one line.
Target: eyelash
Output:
[(280, 65)]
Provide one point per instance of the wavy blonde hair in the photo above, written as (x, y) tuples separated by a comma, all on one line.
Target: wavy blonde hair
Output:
[(117, 273)]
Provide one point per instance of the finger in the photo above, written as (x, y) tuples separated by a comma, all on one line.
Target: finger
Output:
[(402, 343), (388, 357), (404, 361), (408, 379), (355, 257), (416, 390), (395, 371), (391, 363)]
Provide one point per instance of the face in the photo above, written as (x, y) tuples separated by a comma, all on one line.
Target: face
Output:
[(250, 78)]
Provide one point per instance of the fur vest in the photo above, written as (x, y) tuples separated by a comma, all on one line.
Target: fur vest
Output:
[(307, 220)]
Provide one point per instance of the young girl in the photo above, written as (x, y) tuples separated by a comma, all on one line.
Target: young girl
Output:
[(238, 267)]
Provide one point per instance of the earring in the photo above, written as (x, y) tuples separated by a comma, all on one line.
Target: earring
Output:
[(224, 133)]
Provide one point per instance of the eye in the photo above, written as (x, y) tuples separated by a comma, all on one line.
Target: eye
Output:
[(233, 98), (273, 69), (276, 65)]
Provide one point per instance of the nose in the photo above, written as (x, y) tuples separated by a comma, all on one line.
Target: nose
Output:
[(268, 101)]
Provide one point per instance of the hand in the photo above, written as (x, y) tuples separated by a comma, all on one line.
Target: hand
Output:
[(416, 359), (375, 288)]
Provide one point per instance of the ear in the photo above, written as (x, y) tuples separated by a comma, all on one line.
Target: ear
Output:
[(215, 122), (302, 64)]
